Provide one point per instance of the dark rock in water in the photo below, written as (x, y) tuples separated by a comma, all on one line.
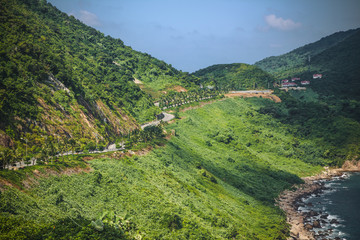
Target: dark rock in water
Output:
[(313, 213), (309, 204), (323, 221), (308, 227), (324, 216), (316, 224), (334, 221), (337, 238)]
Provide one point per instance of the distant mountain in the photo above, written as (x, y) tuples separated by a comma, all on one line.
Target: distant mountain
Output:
[(234, 76), (296, 61), (336, 57), (59, 77), (340, 66)]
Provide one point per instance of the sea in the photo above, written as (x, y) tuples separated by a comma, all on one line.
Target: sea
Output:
[(336, 208)]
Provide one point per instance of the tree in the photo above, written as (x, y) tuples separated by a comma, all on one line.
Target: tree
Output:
[(6, 157), (72, 143)]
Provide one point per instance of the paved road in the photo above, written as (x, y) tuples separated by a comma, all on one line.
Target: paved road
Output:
[(33, 161), (110, 148), (167, 117)]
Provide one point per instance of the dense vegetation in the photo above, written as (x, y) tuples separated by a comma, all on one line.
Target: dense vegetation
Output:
[(296, 61), (62, 80), (174, 99), (337, 58), (340, 68), (216, 178), (65, 86), (237, 76)]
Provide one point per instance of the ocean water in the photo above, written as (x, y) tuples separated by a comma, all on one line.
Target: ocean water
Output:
[(337, 208)]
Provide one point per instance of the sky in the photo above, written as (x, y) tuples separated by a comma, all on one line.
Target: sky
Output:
[(194, 34)]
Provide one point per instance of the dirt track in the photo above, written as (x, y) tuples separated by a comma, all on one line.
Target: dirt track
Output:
[(264, 94)]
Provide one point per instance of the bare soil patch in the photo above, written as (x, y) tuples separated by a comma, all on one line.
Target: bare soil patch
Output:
[(247, 95)]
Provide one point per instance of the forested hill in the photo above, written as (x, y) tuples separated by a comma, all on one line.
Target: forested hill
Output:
[(297, 60), (234, 76), (340, 66), (60, 77)]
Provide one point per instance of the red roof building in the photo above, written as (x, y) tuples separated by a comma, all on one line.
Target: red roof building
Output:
[(317, 76), (305, 82), (285, 81), (295, 79)]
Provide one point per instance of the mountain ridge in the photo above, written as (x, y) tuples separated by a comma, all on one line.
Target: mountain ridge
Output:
[(59, 79), (298, 57), (234, 76)]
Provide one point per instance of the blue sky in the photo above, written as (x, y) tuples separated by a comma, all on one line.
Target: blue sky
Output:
[(194, 34)]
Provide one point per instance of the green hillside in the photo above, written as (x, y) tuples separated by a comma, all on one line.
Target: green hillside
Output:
[(217, 177), (63, 79), (234, 76), (206, 183), (214, 172), (340, 66), (296, 61)]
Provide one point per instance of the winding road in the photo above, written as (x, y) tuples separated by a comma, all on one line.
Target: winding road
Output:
[(110, 148)]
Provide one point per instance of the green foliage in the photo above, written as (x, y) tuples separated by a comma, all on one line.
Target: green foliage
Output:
[(188, 189), (61, 77), (237, 76), (296, 61), (334, 132), (336, 57), (175, 99)]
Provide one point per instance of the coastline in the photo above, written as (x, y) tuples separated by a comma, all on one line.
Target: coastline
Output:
[(289, 200)]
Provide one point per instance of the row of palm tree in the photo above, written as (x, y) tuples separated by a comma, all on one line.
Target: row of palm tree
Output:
[(174, 99), (51, 149), (54, 149)]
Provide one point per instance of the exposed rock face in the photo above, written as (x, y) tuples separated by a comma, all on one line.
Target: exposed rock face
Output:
[(308, 227), (316, 224), (5, 140), (334, 221)]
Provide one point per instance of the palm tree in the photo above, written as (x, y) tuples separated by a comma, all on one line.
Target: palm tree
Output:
[(72, 143), (6, 157)]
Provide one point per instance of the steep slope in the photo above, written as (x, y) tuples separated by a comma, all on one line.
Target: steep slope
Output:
[(234, 76), (340, 66), (63, 79), (296, 61), (215, 179)]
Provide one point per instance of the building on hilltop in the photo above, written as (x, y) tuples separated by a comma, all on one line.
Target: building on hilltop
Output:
[(305, 82), (317, 75)]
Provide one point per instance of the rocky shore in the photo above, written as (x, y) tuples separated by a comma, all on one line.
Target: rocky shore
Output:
[(290, 201)]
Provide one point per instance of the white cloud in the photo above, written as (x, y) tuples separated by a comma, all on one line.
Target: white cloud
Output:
[(280, 23), (89, 18)]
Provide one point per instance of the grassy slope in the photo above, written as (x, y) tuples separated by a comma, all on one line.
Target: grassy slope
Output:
[(216, 179)]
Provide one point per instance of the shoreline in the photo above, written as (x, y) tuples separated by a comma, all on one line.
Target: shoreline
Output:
[(289, 200)]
